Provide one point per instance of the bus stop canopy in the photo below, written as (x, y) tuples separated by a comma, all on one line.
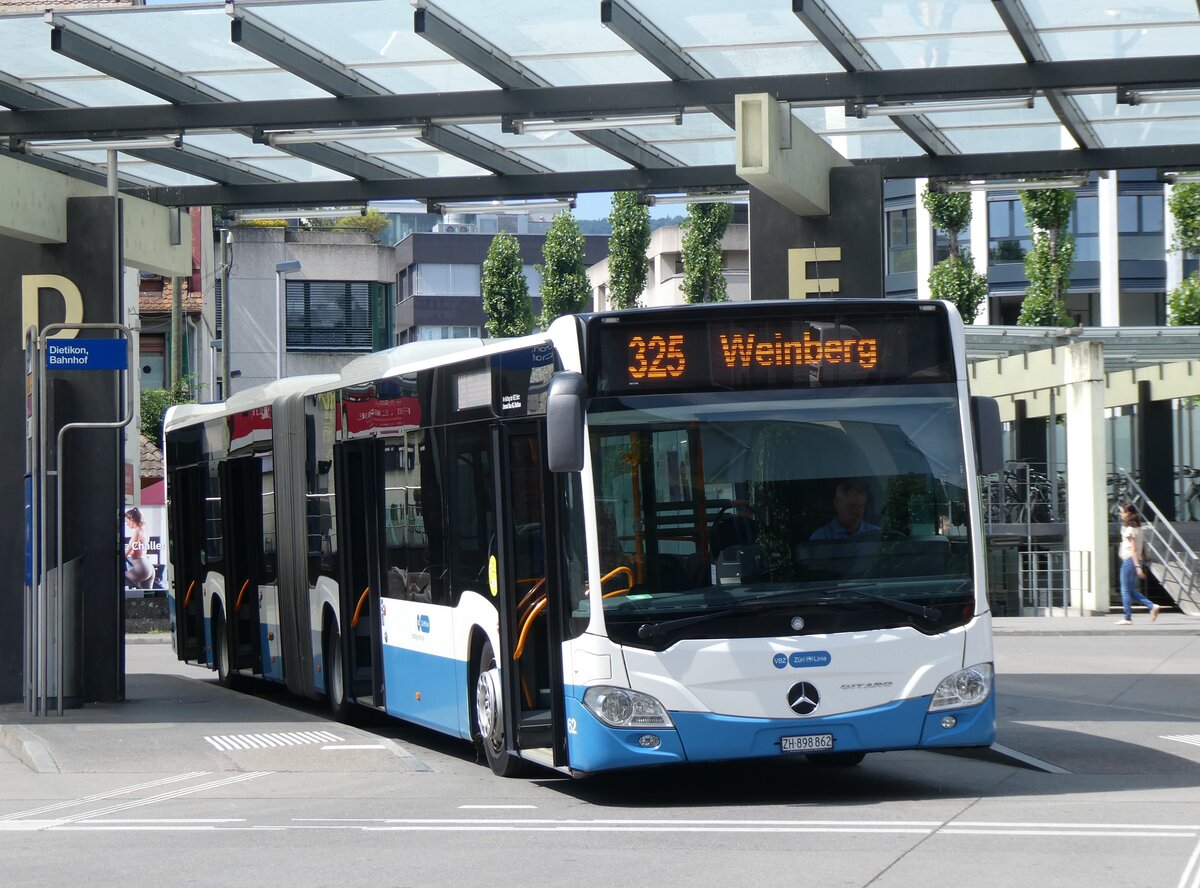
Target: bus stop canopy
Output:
[(275, 103)]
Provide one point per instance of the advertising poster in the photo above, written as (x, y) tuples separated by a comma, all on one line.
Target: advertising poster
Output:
[(144, 529)]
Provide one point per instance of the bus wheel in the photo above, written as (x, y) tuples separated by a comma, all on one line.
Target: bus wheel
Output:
[(489, 715), (837, 759), (335, 680), (221, 651)]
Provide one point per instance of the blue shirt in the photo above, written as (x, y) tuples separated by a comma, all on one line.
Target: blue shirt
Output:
[(835, 531)]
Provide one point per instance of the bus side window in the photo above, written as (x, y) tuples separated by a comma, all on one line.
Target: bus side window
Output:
[(470, 522)]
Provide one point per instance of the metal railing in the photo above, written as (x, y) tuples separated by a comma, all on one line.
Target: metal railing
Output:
[(1168, 554), (1051, 581), (1024, 493)]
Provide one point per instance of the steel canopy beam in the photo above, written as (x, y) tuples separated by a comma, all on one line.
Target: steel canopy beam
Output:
[(319, 69), (267, 41), (441, 190), (836, 88), (1031, 163), (1024, 34), (73, 40), (656, 48), (851, 55), (497, 66)]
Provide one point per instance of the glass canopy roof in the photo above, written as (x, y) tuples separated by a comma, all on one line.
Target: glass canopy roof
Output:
[(442, 53)]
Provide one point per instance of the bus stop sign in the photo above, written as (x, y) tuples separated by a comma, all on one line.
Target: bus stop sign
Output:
[(87, 354)]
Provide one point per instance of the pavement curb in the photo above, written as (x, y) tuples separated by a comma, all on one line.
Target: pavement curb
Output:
[(22, 744), (148, 638)]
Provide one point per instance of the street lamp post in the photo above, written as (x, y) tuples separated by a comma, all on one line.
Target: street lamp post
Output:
[(281, 269)]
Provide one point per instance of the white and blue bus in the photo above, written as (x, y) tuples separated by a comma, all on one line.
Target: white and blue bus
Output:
[(712, 532)]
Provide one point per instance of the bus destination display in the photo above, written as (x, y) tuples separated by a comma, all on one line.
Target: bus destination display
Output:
[(772, 352)]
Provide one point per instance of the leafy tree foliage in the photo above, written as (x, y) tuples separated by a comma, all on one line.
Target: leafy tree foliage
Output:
[(154, 404), (565, 288), (1048, 265), (703, 229), (627, 245), (955, 278), (505, 290), (1184, 301)]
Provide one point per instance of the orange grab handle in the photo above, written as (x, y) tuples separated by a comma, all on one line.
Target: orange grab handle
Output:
[(188, 596), (532, 592), (237, 607), (537, 609), (362, 599)]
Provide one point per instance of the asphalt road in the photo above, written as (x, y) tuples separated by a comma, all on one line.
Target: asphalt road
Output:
[(191, 784)]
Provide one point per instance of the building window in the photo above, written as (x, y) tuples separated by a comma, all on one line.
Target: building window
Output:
[(329, 316), (1140, 226), (533, 279), (1085, 225), (941, 244), (444, 279), (902, 241), (456, 332), (1008, 235)]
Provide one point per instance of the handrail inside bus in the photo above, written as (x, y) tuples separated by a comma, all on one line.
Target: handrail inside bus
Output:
[(362, 599), (537, 584), (188, 596), (241, 594), (534, 611)]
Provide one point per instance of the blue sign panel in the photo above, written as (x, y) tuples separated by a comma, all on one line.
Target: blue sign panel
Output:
[(86, 354)]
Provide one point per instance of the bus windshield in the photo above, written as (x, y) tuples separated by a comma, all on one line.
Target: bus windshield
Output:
[(839, 510)]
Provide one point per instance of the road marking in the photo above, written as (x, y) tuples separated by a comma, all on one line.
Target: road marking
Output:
[(1192, 868), (163, 797), (1193, 739), (232, 742), (354, 746), (497, 807), (112, 793), (1028, 760)]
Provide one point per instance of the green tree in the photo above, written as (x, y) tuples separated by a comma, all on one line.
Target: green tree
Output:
[(703, 229), (154, 404), (1184, 301), (1048, 265), (372, 221), (955, 278), (505, 290), (565, 288), (630, 221)]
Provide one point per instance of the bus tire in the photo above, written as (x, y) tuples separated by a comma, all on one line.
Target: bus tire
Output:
[(837, 759), (489, 716), (335, 675), (221, 657)]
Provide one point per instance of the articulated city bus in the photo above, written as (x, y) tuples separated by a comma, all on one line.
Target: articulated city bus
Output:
[(705, 533)]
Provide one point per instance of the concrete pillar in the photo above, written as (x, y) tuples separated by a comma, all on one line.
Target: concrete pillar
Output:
[(924, 228), (979, 247), (1156, 450), (1087, 507), (1110, 268)]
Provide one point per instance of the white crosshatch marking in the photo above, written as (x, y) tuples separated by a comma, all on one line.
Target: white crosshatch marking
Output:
[(1193, 739), (274, 740)]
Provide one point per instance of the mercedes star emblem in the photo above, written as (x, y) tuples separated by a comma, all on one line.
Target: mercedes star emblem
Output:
[(803, 698)]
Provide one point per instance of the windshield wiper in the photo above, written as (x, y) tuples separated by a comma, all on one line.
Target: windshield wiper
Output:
[(924, 611)]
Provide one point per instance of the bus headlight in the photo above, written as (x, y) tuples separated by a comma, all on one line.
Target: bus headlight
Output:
[(623, 708), (967, 687)]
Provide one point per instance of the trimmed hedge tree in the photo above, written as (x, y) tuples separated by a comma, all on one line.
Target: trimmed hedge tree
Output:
[(705, 225), (1048, 265), (505, 290), (565, 288), (630, 221), (955, 278), (1184, 301)]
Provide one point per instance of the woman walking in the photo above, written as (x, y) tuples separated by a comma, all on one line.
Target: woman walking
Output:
[(1130, 554)]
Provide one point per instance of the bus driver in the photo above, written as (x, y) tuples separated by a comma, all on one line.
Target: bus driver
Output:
[(849, 506)]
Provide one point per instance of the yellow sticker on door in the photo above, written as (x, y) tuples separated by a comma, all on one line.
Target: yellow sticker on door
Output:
[(493, 586)]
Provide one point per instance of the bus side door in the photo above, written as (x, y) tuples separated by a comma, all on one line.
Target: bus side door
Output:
[(359, 472), (531, 612), (186, 491), (241, 501)]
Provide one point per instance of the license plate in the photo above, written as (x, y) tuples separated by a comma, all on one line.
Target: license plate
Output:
[(807, 743)]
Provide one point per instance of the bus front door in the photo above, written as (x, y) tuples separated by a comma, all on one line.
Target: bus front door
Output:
[(186, 493), (241, 506), (360, 477), (530, 615)]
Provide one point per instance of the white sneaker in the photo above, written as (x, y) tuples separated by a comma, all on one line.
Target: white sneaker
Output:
[(1124, 622), (1154, 612)]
